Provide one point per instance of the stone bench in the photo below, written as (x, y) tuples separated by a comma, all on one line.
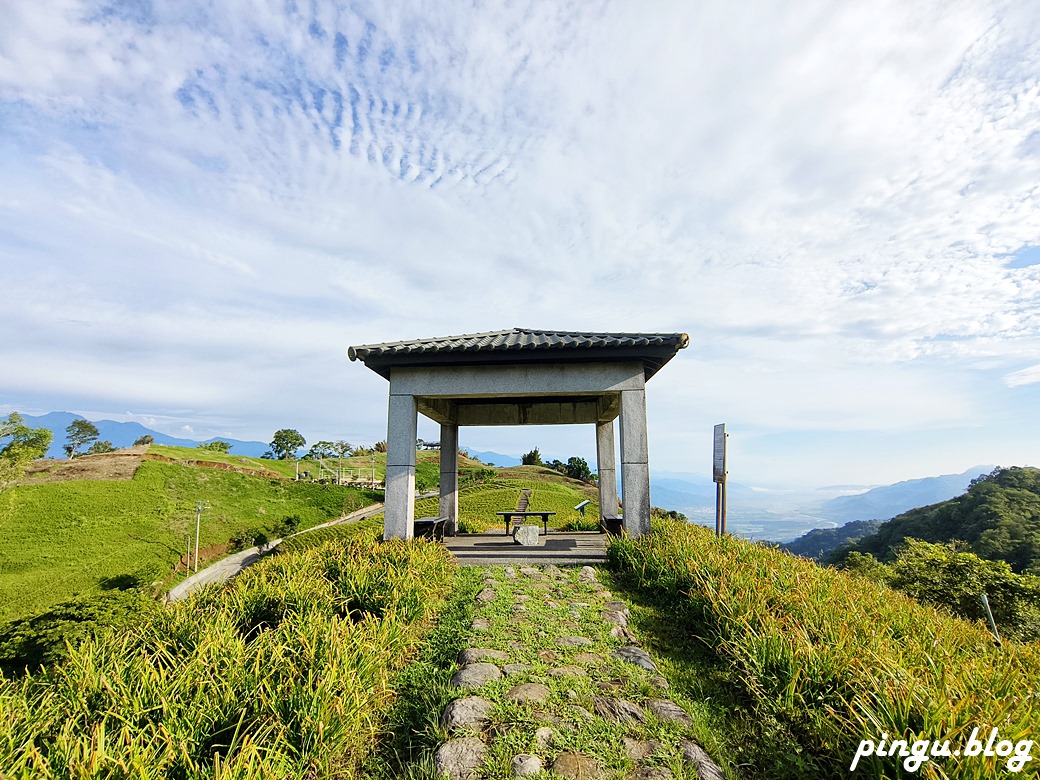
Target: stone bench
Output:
[(430, 527)]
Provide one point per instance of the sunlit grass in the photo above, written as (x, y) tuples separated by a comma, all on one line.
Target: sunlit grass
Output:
[(284, 673), (839, 659)]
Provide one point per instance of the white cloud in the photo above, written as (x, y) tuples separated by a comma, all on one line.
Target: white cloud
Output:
[(824, 197)]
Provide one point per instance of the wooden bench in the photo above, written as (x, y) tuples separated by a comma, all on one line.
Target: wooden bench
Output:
[(430, 527)]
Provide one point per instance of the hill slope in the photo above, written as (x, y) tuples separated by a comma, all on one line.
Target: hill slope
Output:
[(998, 518), (104, 528)]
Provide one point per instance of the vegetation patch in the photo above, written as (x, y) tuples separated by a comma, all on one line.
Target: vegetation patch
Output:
[(835, 658), (66, 539), (266, 677)]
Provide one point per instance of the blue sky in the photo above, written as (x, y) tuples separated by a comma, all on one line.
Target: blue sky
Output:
[(202, 206)]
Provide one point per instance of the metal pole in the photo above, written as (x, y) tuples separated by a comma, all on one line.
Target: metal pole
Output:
[(718, 509), (723, 507), (992, 622), (198, 517)]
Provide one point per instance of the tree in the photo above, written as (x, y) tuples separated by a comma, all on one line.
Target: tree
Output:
[(577, 468), (323, 449), (532, 458), (380, 446), (215, 446), (342, 448), (100, 448), (80, 433), (144, 440), (946, 576), (286, 443), (26, 445)]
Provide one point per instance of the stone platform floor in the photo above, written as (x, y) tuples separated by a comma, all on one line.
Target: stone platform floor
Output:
[(498, 549)]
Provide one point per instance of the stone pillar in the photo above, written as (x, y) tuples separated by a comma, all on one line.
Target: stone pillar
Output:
[(605, 470), (399, 505), (449, 505), (635, 463)]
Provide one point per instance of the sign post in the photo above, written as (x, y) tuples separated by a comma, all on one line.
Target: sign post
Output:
[(719, 477)]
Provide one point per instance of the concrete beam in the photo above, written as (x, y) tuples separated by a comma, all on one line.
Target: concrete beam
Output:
[(605, 469), (534, 413), (517, 380), (449, 502), (635, 468), (399, 505)]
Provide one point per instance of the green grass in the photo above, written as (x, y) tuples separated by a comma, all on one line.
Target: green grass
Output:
[(62, 539), (283, 673), (371, 527), (478, 503), (833, 658)]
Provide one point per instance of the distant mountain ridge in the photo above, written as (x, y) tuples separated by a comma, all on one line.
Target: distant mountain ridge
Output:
[(124, 434), (882, 503)]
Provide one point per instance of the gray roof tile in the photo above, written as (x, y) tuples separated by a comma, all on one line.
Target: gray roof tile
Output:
[(522, 344)]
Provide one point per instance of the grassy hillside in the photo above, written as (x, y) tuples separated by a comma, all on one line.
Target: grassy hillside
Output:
[(62, 538), (550, 492), (284, 673), (835, 658), (998, 518)]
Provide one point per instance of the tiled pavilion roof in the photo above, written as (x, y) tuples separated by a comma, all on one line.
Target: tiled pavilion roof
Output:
[(523, 345)]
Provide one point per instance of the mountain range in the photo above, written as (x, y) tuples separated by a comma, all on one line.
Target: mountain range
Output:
[(124, 434)]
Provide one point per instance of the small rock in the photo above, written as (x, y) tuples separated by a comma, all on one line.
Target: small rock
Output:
[(519, 608), (474, 655), (552, 604), (650, 773), (552, 570), (514, 669), (531, 571), (525, 765), (547, 655), (459, 758), (473, 676), (587, 658), (659, 682), (567, 671), (528, 692), (576, 765), (610, 686), (635, 655), (518, 647), (580, 713), (612, 616), (509, 573), (543, 736), (617, 710), (638, 749), (487, 594), (669, 711), (621, 632), (694, 755), (587, 574), (580, 605), (480, 624), (526, 535), (617, 606), (572, 695), (574, 641), (521, 598), (605, 594), (468, 712)]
